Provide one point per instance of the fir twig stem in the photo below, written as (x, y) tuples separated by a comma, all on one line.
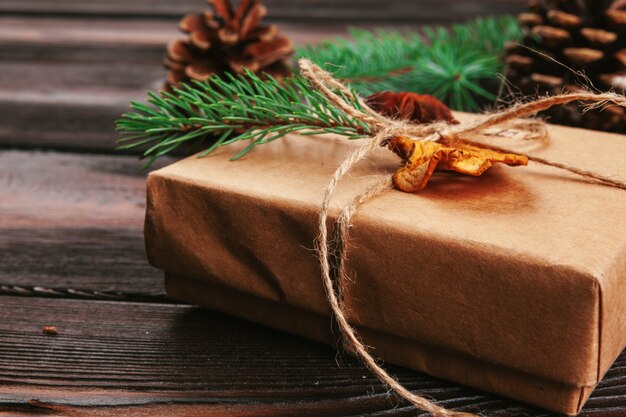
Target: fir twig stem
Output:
[(266, 124)]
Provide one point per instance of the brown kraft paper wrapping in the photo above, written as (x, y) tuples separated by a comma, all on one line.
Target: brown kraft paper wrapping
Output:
[(513, 282)]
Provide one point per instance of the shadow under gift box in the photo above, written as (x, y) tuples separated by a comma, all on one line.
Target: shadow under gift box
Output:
[(513, 282)]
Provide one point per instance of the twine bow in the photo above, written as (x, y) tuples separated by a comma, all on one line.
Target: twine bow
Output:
[(383, 129)]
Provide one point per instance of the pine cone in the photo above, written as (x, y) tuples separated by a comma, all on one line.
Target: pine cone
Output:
[(227, 40), (588, 36)]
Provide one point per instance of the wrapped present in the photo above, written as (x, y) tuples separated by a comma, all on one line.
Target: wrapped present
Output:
[(513, 282)]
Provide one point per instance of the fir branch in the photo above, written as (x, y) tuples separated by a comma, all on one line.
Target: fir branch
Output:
[(243, 107), (457, 65)]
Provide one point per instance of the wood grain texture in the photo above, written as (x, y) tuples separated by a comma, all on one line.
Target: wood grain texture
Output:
[(71, 234), (64, 82), (135, 359), (72, 226), (28, 36), (303, 10)]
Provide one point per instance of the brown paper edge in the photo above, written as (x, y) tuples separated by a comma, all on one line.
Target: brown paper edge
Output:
[(550, 395)]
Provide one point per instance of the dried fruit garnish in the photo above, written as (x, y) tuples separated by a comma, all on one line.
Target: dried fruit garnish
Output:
[(417, 108), (421, 159)]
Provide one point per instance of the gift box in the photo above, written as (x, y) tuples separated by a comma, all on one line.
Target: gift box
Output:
[(513, 282)]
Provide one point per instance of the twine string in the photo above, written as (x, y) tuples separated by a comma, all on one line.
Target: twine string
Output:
[(351, 339), (383, 129)]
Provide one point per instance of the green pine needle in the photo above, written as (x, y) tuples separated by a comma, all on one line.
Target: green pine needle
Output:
[(459, 65), (221, 112)]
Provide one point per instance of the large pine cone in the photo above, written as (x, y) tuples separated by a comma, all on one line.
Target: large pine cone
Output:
[(588, 36), (227, 40)]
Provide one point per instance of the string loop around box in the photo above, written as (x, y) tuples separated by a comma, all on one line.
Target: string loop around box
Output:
[(382, 129)]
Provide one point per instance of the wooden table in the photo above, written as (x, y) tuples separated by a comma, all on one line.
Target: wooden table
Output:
[(71, 250)]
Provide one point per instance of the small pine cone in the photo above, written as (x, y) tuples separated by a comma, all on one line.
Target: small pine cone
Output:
[(224, 40), (586, 36)]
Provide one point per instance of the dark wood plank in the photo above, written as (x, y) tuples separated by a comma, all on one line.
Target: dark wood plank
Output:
[(64, 82), (137, 359), (72, 226), (79, 121), (322, 10), (31, 36)]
